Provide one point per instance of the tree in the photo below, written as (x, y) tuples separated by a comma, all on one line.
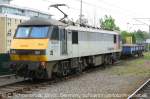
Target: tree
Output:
[(125, 35), (141, 36), (137, 36), (108, 23)]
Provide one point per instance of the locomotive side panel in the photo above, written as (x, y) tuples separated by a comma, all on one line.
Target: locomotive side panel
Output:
[(84, 43), (91, 43)]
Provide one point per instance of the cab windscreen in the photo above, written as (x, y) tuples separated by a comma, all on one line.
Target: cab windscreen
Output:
[(32, 32)]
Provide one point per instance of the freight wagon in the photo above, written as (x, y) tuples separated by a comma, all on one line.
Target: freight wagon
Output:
[(132, 50)]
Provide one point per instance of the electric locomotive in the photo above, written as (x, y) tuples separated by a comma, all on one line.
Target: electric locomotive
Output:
[(43, 48)]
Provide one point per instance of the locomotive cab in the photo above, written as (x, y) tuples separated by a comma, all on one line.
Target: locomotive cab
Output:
[(34, 38), (30, 40), (33, 43)]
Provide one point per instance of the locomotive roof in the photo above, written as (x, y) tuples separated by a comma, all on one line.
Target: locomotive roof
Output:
[(85, 29), (42, 21)]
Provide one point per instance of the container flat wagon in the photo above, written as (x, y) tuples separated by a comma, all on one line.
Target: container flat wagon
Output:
[(132, 50)]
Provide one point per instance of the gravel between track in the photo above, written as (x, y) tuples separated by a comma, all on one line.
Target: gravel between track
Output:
[(113, 82)]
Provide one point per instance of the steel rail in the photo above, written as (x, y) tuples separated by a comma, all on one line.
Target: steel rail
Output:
[(140, 88), (5, 76)]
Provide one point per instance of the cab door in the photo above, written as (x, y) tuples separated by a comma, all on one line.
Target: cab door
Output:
[(69, 43), (63, 42), (75, 43)]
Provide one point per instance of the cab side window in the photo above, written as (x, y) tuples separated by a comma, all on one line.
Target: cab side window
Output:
[(55, 33), (115, 38), (74, 37)]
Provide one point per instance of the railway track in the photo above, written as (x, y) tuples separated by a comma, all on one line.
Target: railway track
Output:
[(9, 79), (26, 87), (8, 76), (143, 92)]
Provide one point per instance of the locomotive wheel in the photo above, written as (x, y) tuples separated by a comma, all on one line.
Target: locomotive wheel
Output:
[(110, 61), (63, 70), (106, 60), (80, 68), (22, 70), (41, 73)]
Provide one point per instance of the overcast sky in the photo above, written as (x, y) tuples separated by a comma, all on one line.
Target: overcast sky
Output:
[(123, 11)]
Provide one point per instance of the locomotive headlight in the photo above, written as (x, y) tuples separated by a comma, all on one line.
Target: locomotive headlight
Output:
[(13, 51), (37, 52)]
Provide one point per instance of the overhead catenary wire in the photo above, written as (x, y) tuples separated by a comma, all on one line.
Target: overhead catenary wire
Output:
[(126, 12), (118, 7), (96, 6), (68, 6), (144, 23), (130, 12), (136, 19), (117, 11)]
